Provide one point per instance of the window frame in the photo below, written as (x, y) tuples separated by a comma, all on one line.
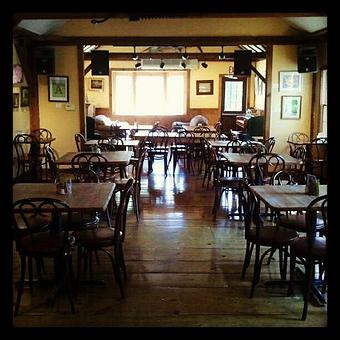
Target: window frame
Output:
[(114, 72), (243, 79)]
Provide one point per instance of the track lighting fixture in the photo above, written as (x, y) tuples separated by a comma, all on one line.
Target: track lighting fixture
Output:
[(204, 64), (162, 64), (183, 64), (221, 55), (185, 55), (138, 65), (134, 55)]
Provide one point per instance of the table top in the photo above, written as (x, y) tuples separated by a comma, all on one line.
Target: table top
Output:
[(126, 142), (113, 157), (244, 158), (192, 128), (84, 196), (285, 197)]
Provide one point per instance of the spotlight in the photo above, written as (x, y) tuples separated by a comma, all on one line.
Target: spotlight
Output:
[(134, 55), (221, 55), (138, 65), (204, 65), (162, 64), (183, 64), (185, 55)]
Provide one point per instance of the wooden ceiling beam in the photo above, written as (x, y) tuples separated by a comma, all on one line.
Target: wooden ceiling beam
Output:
[(180, 41), (17, 17), (199, 56)]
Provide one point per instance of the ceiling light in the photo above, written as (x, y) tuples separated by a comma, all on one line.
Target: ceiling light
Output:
[(221, 55), (204, 65), (134, 55), (138, 65), (162, 64), (185, 55), (183, 64)]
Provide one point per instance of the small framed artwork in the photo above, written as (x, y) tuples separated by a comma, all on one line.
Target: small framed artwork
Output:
[(58, 88), (290, 81), (204, 87), (24, 96), (96, 84), (15, 100), (291, 107), (17, 74)]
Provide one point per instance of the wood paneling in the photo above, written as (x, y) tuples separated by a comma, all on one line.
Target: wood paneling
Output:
[(213, 116)]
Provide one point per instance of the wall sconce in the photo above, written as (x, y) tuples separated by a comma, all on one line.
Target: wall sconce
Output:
[(138, 65), (134, 55), (185, 55)]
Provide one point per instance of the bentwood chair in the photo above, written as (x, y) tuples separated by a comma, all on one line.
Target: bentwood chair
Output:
[(260, 235), (108, 240), (80, 142), (27, 158), (41, 230), (136, 175), (311, 250)]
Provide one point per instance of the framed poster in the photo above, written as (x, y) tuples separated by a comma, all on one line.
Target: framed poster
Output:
[(96, 84), (291, 107), (204, 87), (290, 81), (58, 88), (24, 96)]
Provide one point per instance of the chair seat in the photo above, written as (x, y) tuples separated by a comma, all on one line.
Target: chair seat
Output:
[(230, 181), (44, 244), (96, 237), (272, 236), (300, 247)]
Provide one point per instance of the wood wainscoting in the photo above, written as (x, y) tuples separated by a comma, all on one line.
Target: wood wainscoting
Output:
[(213, 116)]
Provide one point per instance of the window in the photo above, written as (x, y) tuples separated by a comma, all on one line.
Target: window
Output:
[(149, 93), (234, 95)]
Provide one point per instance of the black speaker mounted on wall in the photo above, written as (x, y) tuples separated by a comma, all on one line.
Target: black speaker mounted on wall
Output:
[(44, 60), (307, 59), (242, 62), (100, 63)]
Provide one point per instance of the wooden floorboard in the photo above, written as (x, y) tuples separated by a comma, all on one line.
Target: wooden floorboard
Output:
[(183, 271)]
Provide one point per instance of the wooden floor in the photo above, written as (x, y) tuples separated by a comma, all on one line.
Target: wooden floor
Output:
[(183, 270)]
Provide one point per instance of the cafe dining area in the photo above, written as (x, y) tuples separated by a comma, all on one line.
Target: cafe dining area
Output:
[(170, 171)]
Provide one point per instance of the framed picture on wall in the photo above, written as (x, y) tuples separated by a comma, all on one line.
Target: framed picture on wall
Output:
[(24, 96), (290, 81), (204, 87), (15, 100), (58, 88), (96, 84), (18, 74), (291, 107)]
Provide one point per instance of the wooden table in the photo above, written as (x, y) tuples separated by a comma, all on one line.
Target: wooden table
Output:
[(243, 159), (288, 198), (84, 197), (114, 158), (285, 197), (129, 143)]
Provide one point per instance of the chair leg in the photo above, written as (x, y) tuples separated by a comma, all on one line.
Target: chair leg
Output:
[(30, 273), (256, 274), (21, 284), (247, 257), (290, 291), (309, 277)]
